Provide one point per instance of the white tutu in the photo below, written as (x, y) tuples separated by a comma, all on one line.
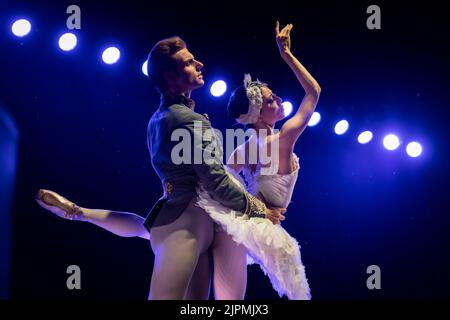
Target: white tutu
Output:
[(269, 245)]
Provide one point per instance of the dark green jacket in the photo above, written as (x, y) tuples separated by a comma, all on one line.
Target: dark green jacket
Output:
[(180, 180)]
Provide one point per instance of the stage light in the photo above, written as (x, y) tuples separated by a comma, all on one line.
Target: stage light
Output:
[(315, 119), (144, 68), (341, 127), (391, 142), (111, 55), (67, 41), (287, 106), (21, 27), (218, 88), (365, 137), (414, 149)]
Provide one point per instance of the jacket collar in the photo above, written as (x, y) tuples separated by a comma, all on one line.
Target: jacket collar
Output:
[(168, 100)]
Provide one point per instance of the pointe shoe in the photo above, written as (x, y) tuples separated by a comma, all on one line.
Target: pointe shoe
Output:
[(59, 205)]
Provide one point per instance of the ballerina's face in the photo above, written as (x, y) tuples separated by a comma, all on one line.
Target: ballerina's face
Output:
[(272, 109)]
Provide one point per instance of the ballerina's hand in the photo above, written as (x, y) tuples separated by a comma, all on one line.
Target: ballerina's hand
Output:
[(283, 38)]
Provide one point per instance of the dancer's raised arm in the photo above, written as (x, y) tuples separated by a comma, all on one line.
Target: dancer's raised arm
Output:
[(293, 128)]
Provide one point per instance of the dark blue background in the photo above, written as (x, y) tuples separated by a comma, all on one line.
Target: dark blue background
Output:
[(82, 127)]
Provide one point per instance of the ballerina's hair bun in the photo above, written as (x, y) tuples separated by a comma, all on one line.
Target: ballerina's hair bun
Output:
[(238, 103)]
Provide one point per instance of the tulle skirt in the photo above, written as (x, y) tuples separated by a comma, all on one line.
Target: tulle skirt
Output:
[(269, 245)]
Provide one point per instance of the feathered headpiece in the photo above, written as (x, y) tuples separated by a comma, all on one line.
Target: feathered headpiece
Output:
[(255, 99)]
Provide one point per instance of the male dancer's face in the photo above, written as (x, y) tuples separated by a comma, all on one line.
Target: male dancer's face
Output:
[(188, 76)]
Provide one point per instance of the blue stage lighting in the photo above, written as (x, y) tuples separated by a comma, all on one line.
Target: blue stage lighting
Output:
[(287, 106), (391, 142), (111, 55), (341, 127), (67, 41), (144, 68), (21, 27), (314, 120), (218, 88), (365, 137), (414, 149)]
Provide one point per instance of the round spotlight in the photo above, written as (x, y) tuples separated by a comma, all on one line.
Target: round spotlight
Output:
[(315, 119), (144, 68), (111, 55), (391, 142), (287, 106), (414, 149), (218, 88), (341, 127), (21, 27), (365, 137), (67, 41)]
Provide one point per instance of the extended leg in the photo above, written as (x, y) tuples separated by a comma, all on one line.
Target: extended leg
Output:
[(124, 224)]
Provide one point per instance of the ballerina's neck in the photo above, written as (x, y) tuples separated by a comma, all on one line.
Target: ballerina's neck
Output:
[(264, 130)]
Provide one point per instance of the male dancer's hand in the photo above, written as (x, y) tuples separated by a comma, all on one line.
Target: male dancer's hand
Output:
[(275, 215)]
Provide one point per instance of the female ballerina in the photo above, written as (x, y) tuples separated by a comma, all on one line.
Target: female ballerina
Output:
[(278, 254), (256, 106)]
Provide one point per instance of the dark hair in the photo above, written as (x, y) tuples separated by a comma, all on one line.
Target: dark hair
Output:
[(238, 103), (160, 60)]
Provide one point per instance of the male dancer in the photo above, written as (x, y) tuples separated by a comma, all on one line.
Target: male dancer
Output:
[(181, 232)]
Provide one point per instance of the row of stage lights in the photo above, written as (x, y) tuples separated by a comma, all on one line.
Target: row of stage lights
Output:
[(111, 55)]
